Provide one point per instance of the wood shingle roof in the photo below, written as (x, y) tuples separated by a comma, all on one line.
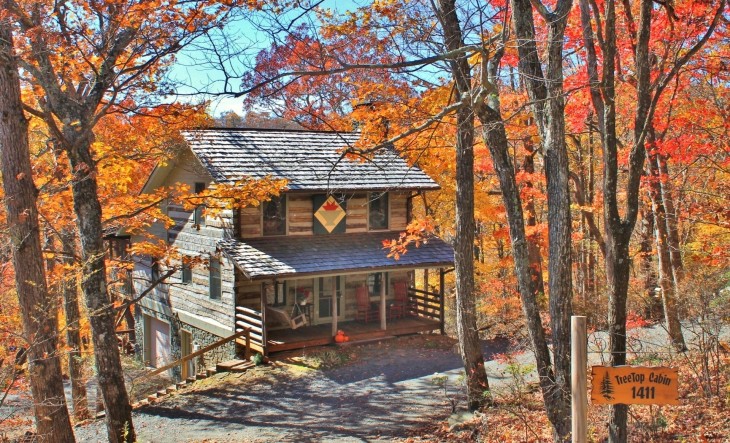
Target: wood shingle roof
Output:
[(269, 257), (309, 160)]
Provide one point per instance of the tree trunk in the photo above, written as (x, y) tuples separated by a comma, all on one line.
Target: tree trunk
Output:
[(470, 349), (653, 307), (101, 312), (466, 324), (70, 293), (672, 219), (38, 309), (533, 247), (666, 282), (546, 92), (617, 281), (496, 140)]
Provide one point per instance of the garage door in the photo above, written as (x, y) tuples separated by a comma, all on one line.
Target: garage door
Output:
[(159, 343)]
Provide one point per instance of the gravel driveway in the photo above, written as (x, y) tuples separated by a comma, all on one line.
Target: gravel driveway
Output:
[(385, 392)]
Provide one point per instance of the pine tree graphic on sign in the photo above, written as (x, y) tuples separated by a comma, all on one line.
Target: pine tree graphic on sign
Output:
[(606, 387)]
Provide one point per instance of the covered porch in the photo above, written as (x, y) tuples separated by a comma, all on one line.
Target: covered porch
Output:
[(298, 292)]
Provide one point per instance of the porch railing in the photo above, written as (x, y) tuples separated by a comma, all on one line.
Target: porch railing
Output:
[(253, 320), (425, 304)]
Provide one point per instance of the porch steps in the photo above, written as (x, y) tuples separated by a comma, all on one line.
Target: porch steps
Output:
[(365, 340), (235, 365), (152, 398)]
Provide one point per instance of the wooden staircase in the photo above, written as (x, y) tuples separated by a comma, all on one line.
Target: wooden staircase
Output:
[(235, 366), (228, 366)]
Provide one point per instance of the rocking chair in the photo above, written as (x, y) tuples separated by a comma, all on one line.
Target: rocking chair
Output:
[(365, 310), (400, 306)]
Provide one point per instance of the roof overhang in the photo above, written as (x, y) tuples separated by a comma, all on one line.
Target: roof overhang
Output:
[(300, 256)]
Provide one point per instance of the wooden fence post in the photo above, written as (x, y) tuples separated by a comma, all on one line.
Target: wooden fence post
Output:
[(579, 383)]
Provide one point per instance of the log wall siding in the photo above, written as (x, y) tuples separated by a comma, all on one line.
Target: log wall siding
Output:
[(300, 212), (194, 297), (250, 222), (357, 213), (398, 211), (248, 293)]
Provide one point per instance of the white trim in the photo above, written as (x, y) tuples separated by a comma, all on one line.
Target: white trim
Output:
[(197, 321), (205, 324), (155, 306)]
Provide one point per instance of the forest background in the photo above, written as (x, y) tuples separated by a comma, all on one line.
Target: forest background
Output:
[(582, 150)]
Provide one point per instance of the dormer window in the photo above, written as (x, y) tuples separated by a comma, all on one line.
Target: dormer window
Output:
[(378, 211), (274, 215)]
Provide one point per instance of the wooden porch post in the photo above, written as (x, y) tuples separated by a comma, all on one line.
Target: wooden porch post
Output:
[(334, 306), (383, 283), (441, 300), (263, 319), (425, 280)]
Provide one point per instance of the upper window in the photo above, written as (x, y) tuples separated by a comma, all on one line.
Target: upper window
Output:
[(198, 218), (155, 271), (378, 211), (187, 272), (215, 278), (274, 214)]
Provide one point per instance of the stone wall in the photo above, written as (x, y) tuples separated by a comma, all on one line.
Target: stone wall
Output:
[(200, 338), (220, 354)]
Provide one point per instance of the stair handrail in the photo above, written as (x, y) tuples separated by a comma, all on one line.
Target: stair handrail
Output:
[(246, 332)]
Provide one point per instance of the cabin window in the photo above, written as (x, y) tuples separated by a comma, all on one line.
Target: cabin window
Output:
[(280, 293), (187, 272), (118, 248), (274, 214), (215, 278), (155, 272), (378, 211), (375, 282), (198, 218)]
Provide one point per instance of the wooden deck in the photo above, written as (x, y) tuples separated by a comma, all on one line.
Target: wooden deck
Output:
[(321, 335)]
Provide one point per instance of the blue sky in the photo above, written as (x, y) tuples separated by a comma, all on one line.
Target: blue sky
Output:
[(190, 67)]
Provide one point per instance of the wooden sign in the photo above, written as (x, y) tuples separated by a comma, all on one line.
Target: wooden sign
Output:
[(634, 385)]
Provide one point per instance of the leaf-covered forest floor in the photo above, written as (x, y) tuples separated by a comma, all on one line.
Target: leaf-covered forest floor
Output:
[(704, 392), (404, 390)]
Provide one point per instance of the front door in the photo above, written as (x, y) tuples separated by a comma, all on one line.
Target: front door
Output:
[(327, 288)]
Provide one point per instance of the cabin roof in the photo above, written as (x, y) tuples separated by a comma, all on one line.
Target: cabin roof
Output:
[(268, 257), (309, 160)]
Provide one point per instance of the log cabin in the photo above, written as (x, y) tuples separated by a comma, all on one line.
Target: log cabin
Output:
[(295, 269)]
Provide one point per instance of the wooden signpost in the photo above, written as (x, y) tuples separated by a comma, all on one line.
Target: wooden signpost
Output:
[(634, 385), (613, 384)]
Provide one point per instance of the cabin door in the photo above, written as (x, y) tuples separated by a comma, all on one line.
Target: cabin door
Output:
[(327, 289), (159, 343)]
